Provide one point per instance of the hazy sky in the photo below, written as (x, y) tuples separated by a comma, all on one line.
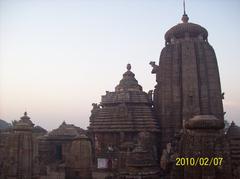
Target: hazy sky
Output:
[(57, 57)]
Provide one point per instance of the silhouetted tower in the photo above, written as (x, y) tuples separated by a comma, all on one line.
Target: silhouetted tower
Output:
[(21, 151), (188, 82)]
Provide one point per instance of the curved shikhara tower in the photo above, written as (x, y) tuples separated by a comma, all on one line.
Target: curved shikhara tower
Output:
[(188, 82)]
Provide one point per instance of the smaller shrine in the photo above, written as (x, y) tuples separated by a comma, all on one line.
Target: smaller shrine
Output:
[(115, 127), (22, 160), (56, 152)]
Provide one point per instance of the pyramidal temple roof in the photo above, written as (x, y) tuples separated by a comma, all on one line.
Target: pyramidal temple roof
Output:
[(233, 131), (66, 131), (24, 123), (128, 108), (128, 82)]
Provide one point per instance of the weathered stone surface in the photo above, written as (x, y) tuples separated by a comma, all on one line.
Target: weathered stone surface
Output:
[(115, 125), (65, 153), (141, 161), (188, 103), (19, 151), (233, 138), (79, 159), (128, 109), (188, 82)]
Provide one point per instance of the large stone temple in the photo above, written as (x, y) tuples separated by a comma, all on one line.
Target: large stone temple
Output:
[(175, 131)]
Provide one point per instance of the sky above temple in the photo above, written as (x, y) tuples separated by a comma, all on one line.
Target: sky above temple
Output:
[(58, 57)]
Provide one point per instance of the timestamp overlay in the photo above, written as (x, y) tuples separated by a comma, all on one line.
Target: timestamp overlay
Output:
[(199, 161)]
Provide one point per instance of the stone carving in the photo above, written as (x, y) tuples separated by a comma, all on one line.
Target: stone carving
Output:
[(94, 110), (223, 95), (155, 67)]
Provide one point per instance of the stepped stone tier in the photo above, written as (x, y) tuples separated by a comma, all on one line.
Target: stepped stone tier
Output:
[(187, 76), (116, 122), (204, 122), (127, 109)]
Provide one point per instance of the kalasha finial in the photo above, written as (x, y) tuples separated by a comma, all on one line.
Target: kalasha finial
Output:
[(129, 67), (25, 113), (185, 16)]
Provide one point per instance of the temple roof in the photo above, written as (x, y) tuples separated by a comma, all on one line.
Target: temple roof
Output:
[(24, 123), (181, 29), (128, 82), (204, 122), (126, 97), (128, 108), (66, 131), (233, 131)]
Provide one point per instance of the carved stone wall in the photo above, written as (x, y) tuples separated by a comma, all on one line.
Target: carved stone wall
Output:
[(79, 159), (19, 151)]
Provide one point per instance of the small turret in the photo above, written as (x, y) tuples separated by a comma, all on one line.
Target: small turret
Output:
[(24, 124), (128, 82)]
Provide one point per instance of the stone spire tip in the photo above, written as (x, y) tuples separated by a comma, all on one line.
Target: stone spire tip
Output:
[(184, 9), (185, 17)]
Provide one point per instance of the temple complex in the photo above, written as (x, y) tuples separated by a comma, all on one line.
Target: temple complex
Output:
[(135, 134)]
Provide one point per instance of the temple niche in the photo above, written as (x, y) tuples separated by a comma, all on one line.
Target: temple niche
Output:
[(122, 126)]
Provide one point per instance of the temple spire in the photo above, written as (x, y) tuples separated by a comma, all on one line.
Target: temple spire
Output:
[(184, 10), (185, 16)]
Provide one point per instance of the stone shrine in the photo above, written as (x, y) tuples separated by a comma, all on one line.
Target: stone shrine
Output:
[(19, 154), (115, 125)]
